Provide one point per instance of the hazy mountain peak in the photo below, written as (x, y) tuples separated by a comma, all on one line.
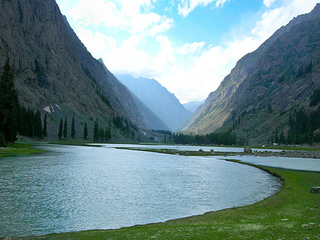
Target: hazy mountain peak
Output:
[(158, 99)]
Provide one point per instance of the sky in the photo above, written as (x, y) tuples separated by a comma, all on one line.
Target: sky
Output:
[(189, 46)]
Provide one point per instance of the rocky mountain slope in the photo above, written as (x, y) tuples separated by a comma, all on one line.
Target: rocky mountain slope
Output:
[(55, 73), (256, 99), (159, 100)]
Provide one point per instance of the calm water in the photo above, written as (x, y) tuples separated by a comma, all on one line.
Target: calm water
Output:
[(185, 147), (304, 164), (81, 188)]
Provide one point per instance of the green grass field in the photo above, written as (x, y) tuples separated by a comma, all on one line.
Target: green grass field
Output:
[(293, 213), (18, 149)]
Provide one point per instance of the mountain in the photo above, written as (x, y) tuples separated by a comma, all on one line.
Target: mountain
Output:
[(192, 106), (267, 87), (56, 74), (159, 100)]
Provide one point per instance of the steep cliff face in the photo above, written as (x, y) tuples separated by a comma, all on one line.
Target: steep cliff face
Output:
[(264, 86), (53, 69)]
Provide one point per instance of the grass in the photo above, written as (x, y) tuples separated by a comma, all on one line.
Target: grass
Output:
[(19, 149), (293, 213)]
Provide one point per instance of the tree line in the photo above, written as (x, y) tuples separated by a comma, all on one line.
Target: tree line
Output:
[(8, 103), (30, 124), (225, 138)]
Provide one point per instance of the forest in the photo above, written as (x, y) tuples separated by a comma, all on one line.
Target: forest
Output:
[(225, 138)]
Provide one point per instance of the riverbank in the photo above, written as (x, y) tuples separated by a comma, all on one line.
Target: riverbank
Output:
[(293, 213), (265, 153), (19, 149)]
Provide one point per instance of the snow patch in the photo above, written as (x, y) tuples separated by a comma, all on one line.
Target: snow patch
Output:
[(58, 107), (47, 109)]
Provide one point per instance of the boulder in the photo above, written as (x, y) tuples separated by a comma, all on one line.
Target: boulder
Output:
[(247, 150), (315, 190)]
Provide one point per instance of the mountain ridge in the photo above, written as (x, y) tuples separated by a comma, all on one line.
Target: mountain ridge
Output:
[(258, 79)]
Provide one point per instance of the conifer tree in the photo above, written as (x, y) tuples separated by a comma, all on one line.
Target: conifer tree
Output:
[(65, 127), (8, 100), (60, 129), (85, 131), (107, 135), (37, 125), (96, 131), (44, 131), (73, 131)]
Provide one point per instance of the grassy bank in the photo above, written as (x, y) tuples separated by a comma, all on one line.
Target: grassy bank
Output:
[(293, 213), (18, 149)]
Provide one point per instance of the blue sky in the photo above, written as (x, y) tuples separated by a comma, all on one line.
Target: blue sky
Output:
[(189, 46)]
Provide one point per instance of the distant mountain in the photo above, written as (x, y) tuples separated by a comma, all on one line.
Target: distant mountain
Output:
[(159, 100), (56, 74), (192, 106), (268, 89)]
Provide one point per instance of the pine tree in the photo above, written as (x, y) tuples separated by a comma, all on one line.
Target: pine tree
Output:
[(96, 131), (60, 128), (73, 131), (8, 100), (107, 134), (37, 125), (44, 131), (85, 131), (65, 127)]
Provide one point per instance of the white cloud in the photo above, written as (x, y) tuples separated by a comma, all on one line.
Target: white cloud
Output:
[(220, 3), (268, 3), (163, 25), (133, 16), (187, 6), (190, 48)]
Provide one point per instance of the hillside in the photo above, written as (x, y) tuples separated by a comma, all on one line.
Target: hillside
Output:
[(55, 73), (267, 86), (163, 104)]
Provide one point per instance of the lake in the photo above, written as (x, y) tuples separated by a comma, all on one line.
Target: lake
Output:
[(74, 188)]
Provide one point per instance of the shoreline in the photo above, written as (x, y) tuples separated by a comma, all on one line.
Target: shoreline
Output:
[(266, 153)]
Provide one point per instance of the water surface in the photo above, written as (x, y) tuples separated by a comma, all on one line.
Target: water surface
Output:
[(82, 188)]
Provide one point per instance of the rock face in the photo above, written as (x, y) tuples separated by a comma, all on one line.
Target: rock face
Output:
[(255, 99), (53, 68)]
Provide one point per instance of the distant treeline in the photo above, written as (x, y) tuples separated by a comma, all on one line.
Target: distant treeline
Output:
[(225, 138), (165, 132)]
